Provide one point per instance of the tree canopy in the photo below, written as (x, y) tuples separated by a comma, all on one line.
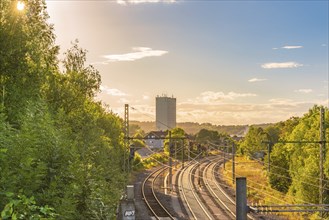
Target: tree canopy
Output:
[(60, 150), (294, 166)]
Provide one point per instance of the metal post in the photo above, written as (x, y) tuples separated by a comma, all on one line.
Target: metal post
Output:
[(224, 154), (233, 163), (188, 153), (241, 198), (170, 161), (269, 156), (183, 155), (126, 133), (199, 168), (322, 193), (175, 153)]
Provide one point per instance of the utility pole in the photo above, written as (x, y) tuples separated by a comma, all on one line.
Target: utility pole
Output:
[(170, 161), (126, 139), (189, 150), (233, 163), (322, 193), (224, 156), (175, 153), (199, 168), (183, 155), (269, 156)]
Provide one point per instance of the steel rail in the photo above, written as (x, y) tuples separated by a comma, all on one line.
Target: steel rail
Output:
[(183, 192), (192, 187), (219, 187), (156, 173), (223, 191), (212, 192)]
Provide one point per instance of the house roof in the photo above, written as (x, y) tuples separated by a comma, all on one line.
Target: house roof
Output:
[(156, 134)]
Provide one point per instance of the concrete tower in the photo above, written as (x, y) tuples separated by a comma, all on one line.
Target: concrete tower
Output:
[(165, 113)]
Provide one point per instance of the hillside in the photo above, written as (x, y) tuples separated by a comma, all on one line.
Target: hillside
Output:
[(194, 127)]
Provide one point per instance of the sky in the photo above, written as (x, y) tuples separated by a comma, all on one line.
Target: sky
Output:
[(226, 62)]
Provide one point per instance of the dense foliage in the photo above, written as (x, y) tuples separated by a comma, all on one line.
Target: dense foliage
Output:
[(294, 166), (59, 149), (175, 146)]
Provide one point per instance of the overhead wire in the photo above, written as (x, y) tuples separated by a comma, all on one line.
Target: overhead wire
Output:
[(260, 184), (311, 177)]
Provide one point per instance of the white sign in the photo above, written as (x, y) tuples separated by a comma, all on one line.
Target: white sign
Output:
[(129, 213)]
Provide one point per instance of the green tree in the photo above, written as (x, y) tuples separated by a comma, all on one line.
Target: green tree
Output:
[(279, 177), (138, 142), (178, 141), (27, 55), (252, 142), (295, 166), (204, 135), (304, 159), (58, 147), (69, 90)]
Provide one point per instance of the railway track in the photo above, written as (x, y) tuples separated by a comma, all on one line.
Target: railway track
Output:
[(198, 198), (219, 192), (150, 198), (216, 192), (199, 189), (192, 205)]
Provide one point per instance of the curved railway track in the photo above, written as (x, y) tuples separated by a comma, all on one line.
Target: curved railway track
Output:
[(197, 195), (227, 201), (218, 194), (200, 189), (150, 198), (202, 193), (188, 195)]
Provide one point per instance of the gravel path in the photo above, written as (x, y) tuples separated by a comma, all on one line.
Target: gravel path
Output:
[(142, 212)]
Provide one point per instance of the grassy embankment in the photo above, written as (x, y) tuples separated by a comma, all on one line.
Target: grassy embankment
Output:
[(258, 188)]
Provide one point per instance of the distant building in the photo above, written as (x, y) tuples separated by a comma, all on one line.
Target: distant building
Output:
[(155, 139), (165, 113)]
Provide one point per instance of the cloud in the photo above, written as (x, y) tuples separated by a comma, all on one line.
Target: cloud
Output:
[(256, 80), (123, 101), (281, 65), (146, 97), (323, 45), (291, 47), (287, 47), (280, 101), (210, 97), (305, 91), (274, 110), (220, 112), (139, 53), (135, 2), (112, 92)]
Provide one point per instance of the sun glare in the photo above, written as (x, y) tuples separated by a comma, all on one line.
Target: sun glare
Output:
[(20, 5)]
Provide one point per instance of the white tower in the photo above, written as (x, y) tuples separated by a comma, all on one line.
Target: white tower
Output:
[(165, 113)]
